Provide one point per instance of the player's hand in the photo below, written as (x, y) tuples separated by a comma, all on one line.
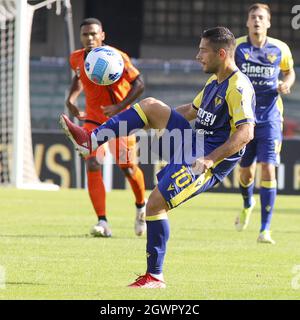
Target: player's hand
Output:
[(283, 88), (201, 165), (75, 111), (111, 110)]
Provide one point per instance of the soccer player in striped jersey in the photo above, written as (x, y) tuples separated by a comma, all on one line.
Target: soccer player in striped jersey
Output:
[(224, 113), (102, 102), (262, 58)]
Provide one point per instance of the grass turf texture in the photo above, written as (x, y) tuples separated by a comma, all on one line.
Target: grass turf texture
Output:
[(47, 253)]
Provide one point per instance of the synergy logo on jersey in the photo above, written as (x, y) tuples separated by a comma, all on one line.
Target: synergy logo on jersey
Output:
[(255, 71), (206, 118)]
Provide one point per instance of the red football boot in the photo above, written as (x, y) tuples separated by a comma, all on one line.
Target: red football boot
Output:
[(147, 281), (80, 137)]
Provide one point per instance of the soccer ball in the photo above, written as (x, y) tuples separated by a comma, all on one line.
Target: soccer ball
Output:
[(104, 65)]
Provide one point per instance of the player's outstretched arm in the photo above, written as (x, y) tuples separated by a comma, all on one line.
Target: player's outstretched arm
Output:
[(187, 111), (137, 88)]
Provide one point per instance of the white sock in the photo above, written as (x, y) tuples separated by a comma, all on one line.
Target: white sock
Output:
[(158, 276), (94, 141)]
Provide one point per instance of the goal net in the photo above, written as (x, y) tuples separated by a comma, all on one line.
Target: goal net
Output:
[(7, 29), (16, 155)]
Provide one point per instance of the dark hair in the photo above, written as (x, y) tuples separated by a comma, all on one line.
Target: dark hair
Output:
[(258, 5), (220, 37), (89, 21)]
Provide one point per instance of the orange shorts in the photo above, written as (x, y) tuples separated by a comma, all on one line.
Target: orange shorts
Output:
[(123, 149)]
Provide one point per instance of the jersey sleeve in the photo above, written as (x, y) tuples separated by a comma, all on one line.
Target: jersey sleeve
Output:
[(130, 71), (72, 61), (241, 104), (199, 97), (198, 100), (287, 61)]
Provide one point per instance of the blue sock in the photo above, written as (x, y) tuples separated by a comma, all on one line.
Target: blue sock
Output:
[(121, 124), (247, 194), (157, 236), (268, 191)]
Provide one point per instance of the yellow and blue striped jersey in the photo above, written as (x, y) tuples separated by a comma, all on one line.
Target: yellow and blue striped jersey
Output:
[(263, 66), (222, 107)]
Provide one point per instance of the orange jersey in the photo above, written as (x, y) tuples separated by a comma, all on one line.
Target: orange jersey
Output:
[(96, 95)]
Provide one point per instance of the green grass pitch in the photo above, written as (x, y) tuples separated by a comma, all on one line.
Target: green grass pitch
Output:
[(47, 253)]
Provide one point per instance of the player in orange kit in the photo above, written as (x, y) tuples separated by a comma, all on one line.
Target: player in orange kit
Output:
[(102, 102)]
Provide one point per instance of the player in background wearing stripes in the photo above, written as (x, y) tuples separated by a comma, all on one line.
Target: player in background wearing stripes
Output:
[(262, 58), (103, 102)]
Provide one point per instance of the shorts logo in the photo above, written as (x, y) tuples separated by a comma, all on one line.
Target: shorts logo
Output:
[(171, 187), (272, 57)]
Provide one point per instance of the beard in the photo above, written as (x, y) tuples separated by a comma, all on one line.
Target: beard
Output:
[(211, 69)]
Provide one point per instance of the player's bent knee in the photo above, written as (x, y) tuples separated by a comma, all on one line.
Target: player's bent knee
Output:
[(268, 171), (150, 102), (246, 176), (152, 105)]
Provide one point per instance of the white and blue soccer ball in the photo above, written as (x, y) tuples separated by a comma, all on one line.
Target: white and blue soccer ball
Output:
[(104, 65)]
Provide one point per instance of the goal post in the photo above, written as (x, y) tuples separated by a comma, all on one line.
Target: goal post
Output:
[(21, 123), (17, 166)]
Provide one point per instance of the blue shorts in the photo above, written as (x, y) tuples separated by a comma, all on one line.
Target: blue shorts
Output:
[(266, 145), (176, 181)]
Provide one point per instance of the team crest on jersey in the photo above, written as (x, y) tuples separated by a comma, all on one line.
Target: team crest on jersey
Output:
[(246, 55), (218, 101), (272, 57), (77, 71)]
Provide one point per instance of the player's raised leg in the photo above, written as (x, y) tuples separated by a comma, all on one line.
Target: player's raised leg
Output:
[(149, 113)]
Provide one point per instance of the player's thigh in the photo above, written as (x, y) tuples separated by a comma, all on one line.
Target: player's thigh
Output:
[(123, 150), (156, 111), (269, 144), (249, 157), (178, 143), (156, 203), (94, 160)]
